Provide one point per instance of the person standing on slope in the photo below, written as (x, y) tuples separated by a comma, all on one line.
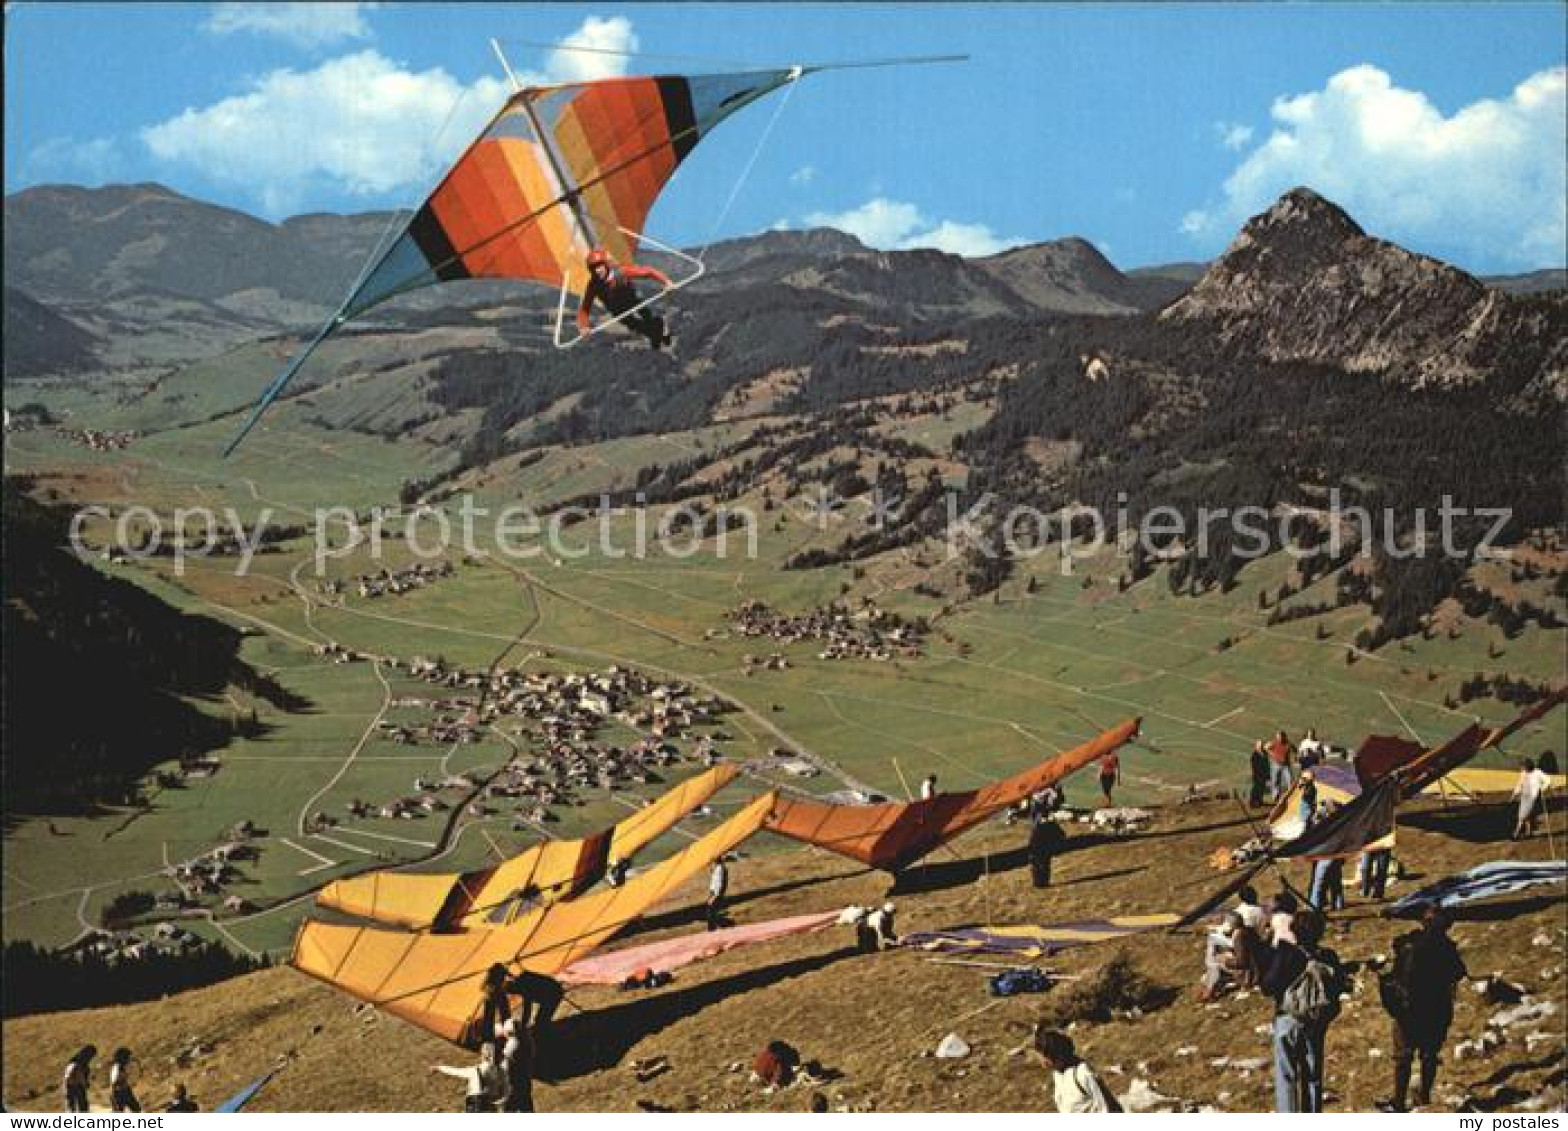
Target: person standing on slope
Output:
[(1259, 767), (1077, 1088), (610, 284), (517, 1064), (1279, 751), (1531, 792), (718, 887), (122, 1096), (1419, 995), (1110, 776), (78, 1075), (1046, 839), (1305, 981)]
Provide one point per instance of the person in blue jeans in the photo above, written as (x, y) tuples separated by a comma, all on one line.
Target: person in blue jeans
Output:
[(1298, 1041), (1307, 801), (1328, 885)]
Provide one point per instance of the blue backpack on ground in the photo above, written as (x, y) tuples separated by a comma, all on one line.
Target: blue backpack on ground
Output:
[(1025, 980)]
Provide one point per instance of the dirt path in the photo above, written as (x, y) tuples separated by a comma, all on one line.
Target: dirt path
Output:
[(386, 703)]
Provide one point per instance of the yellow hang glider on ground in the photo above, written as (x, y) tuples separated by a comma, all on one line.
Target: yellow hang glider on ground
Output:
[(546, 873)]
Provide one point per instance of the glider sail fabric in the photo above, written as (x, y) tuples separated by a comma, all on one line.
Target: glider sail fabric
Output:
[(1382, 754), (614, 967), (1036, 942), (558, 170), (894, 835), (1350, 831), (239, 1099), (1337, 784), (1437, 762), (545, 873), (435, 980), (1501, 877)]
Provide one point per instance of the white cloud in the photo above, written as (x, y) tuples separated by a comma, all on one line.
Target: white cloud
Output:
[(898, 225), (1232, 135), (95, 161), (1491, 178), (304, 25), (602, 47), (803, 175), (358, 124)]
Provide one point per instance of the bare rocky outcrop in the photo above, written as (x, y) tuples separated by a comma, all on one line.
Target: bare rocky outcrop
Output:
[(1303, 282)]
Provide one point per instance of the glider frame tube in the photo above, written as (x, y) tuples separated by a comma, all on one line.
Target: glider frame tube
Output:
[(698, 270)]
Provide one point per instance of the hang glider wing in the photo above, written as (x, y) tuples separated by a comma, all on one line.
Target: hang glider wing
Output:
[(894, 835), (1336, 783), (1346, 832), (1381, 754), (545, 873), (434, 980), (1369, 819), (1415, 776), (558, 170)]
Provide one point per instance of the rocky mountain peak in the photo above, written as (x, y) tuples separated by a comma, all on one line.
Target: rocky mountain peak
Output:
[(1303, 282)]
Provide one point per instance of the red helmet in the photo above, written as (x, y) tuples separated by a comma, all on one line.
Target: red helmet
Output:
[(598, 257)]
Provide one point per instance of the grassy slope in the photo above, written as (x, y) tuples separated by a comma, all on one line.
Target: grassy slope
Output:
[(876, 1019)]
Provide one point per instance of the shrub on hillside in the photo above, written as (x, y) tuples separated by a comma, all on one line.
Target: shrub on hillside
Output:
[(1114, 990)]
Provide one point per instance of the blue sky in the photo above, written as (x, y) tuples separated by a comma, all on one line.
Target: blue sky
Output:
[(1152, 130)]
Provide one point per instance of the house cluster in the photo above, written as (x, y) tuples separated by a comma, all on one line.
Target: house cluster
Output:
[(387, 582), (206, 876), (566, 712), (199, 768), (100, 441), (166, 938), (869, 633), (336, 653)]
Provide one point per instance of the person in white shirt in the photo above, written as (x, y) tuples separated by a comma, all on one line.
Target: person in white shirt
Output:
[(1078, 1090), (517, 1062), (718, 885), (1219, 957), (485, 1081), (1312, 750), (1250, 910), (880, 924), (1282, 919), (1531, 792), (78, 1075), (928, 787)]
